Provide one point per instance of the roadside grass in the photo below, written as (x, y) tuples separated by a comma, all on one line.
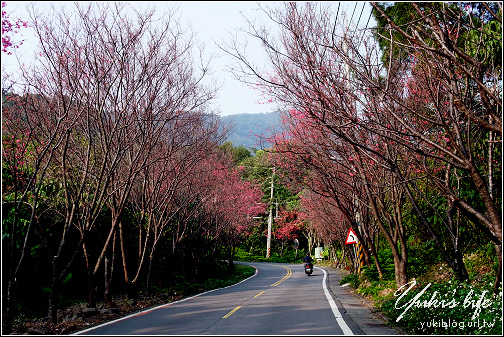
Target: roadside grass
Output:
[(183, 286), (240, 273), (71, 318)]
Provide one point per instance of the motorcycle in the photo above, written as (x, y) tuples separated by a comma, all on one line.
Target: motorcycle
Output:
[(308, 268)]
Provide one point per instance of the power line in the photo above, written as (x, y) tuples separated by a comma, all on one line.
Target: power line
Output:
[(353, 12), (362, 10), (357, 25), (364, 31)]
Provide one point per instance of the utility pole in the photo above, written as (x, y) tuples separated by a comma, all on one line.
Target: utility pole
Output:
[(270, 218)]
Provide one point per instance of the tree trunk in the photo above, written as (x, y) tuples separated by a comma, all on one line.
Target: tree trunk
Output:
[(459, 266), (53, 301), (6, 309), (351, 258), (106, 293), (110, 271), (492, 217), (133, 292), (123, 256), (394, 220), (498, 278), (149, 270), (91, 286), (457, 263), (401, 273), (92, 293), (231, 265), (376, 261), (362, 242)]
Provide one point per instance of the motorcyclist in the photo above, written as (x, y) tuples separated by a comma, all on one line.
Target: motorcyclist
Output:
[(307, 258), (308, 263)]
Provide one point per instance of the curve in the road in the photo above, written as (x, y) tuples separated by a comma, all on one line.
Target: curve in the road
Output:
[(242, 304)]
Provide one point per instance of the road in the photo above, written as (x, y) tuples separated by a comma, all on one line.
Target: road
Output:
[(280, 299)]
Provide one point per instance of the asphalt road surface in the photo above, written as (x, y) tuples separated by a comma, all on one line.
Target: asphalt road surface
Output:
[(280, 299)]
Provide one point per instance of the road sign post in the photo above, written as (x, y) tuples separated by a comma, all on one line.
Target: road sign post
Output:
[(351, 237), (295, 245), (358, 252)]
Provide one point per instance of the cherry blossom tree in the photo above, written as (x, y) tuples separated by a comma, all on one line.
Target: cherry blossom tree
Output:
[(35, 128), (232, 201), (330, 75), (328, 221), (334, 177), (166, 188), (9, 28), (453, 99), (288, 226), (119, 87)]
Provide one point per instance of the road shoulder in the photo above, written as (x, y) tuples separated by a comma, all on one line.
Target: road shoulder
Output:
[(361, 316)]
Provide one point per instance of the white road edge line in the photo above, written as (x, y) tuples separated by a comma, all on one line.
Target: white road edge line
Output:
[(337, 314), (162, 305)]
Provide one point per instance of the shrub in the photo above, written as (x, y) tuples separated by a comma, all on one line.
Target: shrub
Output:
[(288, 257), (352, 279), (386, 263), (240, 272)]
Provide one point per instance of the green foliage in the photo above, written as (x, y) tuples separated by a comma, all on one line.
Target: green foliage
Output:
[(371, 272), (12, 231), (378, 291), (67, 278), (325, 254), (482, 263), (401, 13), (421, 256), (239, 273), (293, 203), (352, 279), (490, 33), (238, 153), (483, 42), (182, 285), (289, 256), (256, 168), (464, 310), (386, 263)]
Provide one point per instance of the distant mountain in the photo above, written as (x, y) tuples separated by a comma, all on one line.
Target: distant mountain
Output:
[(248, 127)]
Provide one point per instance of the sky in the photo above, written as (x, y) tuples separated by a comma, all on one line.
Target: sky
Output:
[(213, 22)]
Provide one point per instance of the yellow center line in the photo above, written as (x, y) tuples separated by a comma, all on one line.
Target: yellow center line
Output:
[(289, 273), (262, 292), (231, 312)]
